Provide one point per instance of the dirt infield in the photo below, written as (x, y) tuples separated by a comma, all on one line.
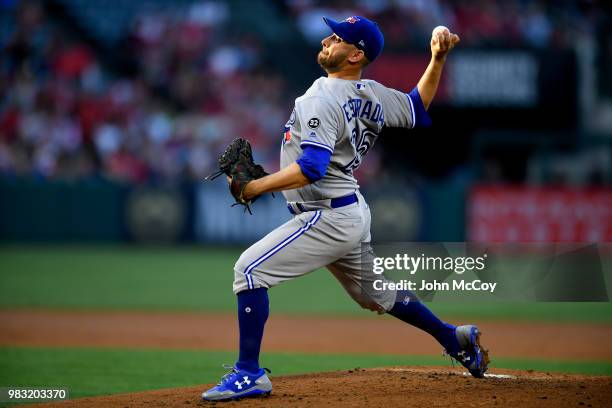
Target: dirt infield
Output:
[(380, 335), (389, 387), (384, 387)]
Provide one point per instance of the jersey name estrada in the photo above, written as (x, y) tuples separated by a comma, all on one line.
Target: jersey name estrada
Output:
[(344, 117)]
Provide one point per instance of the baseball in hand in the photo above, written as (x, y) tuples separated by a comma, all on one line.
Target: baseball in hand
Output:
[(441, 29), (442, 41)]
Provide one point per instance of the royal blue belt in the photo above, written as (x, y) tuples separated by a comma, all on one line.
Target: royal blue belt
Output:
[(343, 201), (334, 203)]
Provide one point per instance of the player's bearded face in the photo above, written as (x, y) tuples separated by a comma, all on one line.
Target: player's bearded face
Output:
[(330, 61), (333, 54)]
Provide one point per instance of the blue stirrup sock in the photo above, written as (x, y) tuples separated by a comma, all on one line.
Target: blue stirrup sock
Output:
[(409, 309), (253, 311)]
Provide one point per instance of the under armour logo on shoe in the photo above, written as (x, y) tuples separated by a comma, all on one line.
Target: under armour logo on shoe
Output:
[(462, 357), (246, 381)]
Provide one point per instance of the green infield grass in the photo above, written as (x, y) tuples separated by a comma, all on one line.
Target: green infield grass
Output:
[(89, 372), (193, 278)]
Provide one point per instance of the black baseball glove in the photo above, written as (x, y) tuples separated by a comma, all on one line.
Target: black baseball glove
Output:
[(237, 163)]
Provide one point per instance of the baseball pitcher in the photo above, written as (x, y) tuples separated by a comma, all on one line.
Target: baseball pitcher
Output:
[(329, 132)]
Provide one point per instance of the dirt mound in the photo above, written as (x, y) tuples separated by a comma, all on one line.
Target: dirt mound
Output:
[(391, 387)]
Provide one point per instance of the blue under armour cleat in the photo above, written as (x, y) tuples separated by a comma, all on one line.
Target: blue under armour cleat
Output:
[(472, 355), (239, 384)]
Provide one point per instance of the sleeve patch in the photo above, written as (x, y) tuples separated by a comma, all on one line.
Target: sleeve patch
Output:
[(314, 123)]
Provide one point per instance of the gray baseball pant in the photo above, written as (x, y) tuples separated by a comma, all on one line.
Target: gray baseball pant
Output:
[(338, 239)]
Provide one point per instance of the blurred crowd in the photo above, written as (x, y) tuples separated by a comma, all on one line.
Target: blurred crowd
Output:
[(195, 86), (62, 115), (408, 23)]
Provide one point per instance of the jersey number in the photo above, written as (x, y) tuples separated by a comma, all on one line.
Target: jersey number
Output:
[(362, 141)]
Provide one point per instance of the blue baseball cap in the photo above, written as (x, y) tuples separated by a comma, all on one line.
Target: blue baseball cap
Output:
[(361, 32)]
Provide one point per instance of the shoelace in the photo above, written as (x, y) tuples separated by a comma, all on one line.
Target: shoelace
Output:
[(231, 370), (445, 353)]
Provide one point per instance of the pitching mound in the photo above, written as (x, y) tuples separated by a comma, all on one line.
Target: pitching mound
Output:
[(392, 387)]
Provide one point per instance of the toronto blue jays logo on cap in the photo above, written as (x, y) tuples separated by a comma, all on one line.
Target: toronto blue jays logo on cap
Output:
[(363, 33)]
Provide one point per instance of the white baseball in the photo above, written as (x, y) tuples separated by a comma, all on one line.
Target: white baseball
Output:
[(439, 28)]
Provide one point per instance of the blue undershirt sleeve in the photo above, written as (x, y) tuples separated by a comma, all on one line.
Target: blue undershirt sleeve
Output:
[(421, 117), (314, 162)]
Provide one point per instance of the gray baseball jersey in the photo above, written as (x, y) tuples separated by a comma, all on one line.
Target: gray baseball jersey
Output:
[(345, 118)]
